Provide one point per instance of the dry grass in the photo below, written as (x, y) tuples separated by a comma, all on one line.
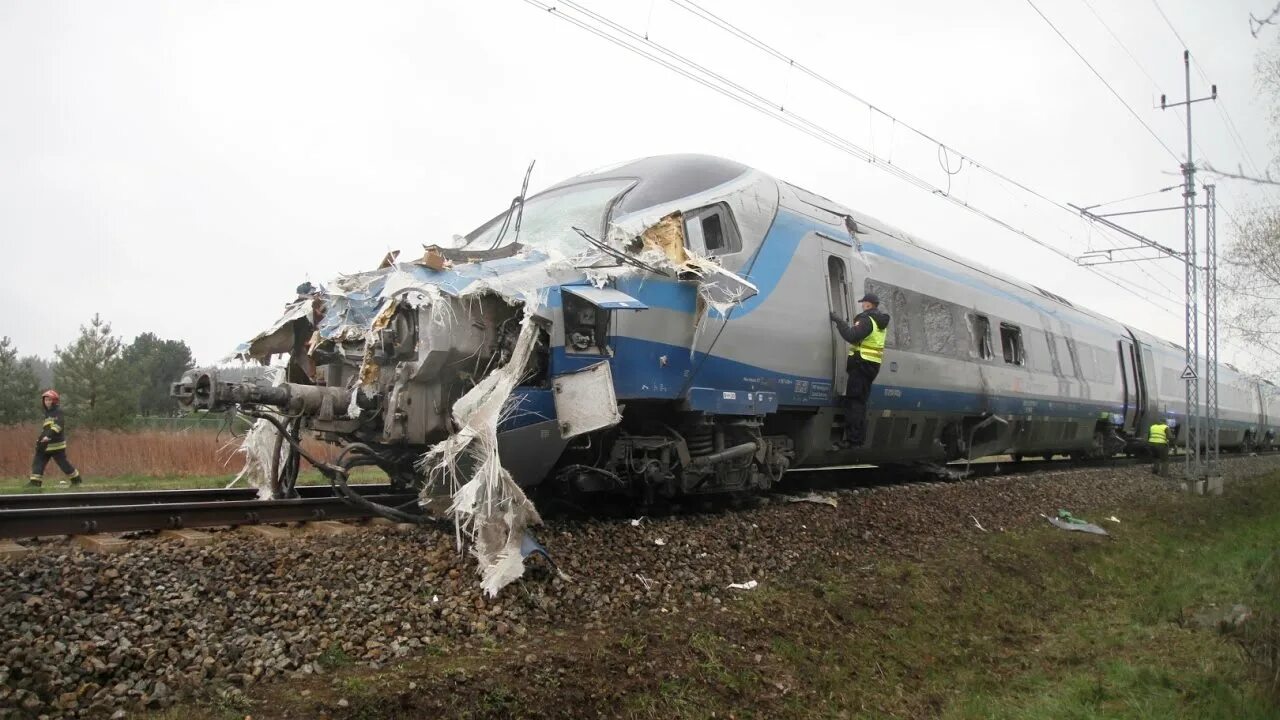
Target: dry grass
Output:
[(151, 453)]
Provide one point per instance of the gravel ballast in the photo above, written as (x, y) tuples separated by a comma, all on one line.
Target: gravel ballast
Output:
[(89, 635)]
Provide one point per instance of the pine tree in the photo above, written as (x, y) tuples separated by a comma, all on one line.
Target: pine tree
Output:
[(156, 364), (43, 369), (93, 379), (19, 391)]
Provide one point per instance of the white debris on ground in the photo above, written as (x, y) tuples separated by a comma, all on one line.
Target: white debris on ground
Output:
[(816, 498)]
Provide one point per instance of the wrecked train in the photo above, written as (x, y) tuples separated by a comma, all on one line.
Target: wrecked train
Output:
[(660, 327)]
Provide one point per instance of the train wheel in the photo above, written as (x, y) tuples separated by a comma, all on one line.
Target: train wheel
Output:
[(1016, 457)]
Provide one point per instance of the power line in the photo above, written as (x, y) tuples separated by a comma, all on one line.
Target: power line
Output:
[(692, 7), (1120, 42), (750, 99), (1156, 86), (1104, 82), (1226, 118), (759, 103)]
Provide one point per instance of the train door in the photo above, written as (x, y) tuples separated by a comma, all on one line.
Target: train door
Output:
[(836, 270), (1129, 379), (1148, 393)]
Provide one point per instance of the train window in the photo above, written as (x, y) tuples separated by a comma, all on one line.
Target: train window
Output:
[(1036, 359), (898, 320), (1066, 359), (1106, 365), (710, 231), (939, 327), (1011, 344), (1051, 341), (980, 327), (1084, 360), (893, 301)]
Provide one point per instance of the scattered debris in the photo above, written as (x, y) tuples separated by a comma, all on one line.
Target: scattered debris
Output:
[(814, 497), (643, 581), (635, 522), (659, 542), (1213, 617), (1114, 519), (977, 524), (748, 585), (1067, 521)]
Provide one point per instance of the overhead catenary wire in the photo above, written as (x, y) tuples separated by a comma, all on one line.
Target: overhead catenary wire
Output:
[(638, 44), (1156, 87), (750, 99), (1232, 132), (692, 7), (1103, 80), (1113, 91)]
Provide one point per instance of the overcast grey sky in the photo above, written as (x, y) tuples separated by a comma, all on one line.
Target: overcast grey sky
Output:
[(179, 167)]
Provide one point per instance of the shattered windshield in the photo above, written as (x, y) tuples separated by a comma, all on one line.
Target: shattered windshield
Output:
[(549, 219)]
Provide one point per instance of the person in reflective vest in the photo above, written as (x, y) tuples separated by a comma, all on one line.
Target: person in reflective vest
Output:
[(52, 443), (1158, 442), (865, 335)]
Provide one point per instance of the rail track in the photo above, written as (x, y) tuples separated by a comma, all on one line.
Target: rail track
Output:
[(25, 516), (86, 513)]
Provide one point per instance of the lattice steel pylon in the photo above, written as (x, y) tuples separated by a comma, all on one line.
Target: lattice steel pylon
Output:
[(1194, 425), (1211, 329)]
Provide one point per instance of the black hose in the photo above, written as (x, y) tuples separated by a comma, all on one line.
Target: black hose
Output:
[(337, 475), (358, 500)]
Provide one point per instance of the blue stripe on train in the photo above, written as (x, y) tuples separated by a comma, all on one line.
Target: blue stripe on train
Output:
[(647, 370)]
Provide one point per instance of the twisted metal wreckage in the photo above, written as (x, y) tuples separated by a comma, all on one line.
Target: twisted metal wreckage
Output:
[(414, 366)]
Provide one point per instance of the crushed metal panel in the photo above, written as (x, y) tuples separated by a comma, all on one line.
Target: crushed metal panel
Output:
[(605, 298), (585, 401)]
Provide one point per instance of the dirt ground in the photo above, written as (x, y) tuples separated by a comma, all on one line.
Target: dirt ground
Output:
[(939, 601)]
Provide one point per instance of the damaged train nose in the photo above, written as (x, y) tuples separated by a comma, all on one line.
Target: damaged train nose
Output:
[(395, 384)]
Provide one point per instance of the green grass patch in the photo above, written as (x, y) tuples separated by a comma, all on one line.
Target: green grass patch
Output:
[(1044, 623)]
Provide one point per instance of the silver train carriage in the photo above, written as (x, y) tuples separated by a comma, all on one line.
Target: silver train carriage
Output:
[(654, 377)]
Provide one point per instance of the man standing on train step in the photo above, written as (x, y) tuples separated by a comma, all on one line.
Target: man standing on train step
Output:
[(52, 444), (1158, 441), (865, 336)]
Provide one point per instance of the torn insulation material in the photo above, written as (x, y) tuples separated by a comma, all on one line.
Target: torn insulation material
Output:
[(489, 509), (262, 452), (262, 447)]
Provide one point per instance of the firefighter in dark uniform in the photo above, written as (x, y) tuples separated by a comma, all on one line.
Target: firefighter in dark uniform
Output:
[(865, 336), (52, 444), (1158, 442)]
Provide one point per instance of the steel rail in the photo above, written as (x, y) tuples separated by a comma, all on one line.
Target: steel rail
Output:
[(18, 501), (37, 522)]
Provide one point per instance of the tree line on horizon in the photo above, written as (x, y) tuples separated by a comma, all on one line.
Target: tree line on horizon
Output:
[(103, 381)]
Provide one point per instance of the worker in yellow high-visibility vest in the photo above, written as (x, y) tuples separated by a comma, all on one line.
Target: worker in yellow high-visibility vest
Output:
[(1158, 442), (865, 335)]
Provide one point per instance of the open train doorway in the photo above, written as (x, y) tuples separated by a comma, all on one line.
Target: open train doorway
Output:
[(837, 302)]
